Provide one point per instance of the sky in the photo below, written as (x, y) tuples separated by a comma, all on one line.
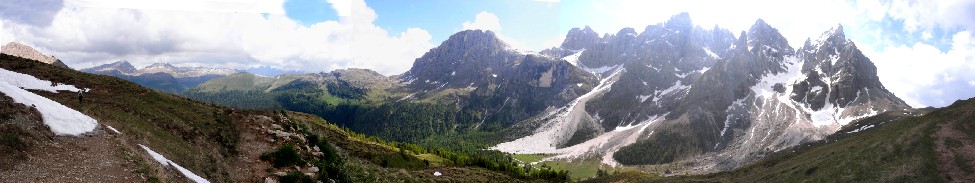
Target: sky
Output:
[(924, 50)]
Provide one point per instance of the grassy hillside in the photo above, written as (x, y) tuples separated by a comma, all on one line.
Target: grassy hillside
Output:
[(364, 108), (899, 147), (199, 136), (217, 143)]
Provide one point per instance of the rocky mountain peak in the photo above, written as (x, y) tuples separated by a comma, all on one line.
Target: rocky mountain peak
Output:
[(838, 30), (626, 32), (765, 37), (24, 51), (680, 21), (742, 43), (121, 65), (161, 65), (832, 38), (474, 39), (578, 39)]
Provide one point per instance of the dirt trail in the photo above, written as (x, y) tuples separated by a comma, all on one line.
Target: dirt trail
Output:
[(93, 157), (952, 157)]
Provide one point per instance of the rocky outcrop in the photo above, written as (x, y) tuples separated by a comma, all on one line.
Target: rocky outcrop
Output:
[(24, 51), (490, 76), (578, 39)]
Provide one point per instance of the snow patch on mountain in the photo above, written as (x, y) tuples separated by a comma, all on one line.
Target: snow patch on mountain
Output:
[(643, 98), (574, 58), (791, 76), (711, 53), (606, 144), (830, 114), (600, 70), (561, 126), (564, 121), (672, 89)]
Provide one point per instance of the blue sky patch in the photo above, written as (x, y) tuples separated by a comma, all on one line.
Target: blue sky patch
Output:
[(309, 12)]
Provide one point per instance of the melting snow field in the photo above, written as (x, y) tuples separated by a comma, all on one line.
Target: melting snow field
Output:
[(607, 143), (545, 139), (61, 119), (31, 83), (162, 160), (553, 131)]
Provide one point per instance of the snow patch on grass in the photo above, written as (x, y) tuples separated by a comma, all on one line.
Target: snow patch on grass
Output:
[(861, 129), (59, 118), (162, 160), (113, 129), (32, 83)]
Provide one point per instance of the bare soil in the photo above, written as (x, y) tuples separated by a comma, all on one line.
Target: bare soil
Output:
[(946, 154), (95, 157)]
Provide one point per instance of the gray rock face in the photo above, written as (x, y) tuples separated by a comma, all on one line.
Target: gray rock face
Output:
[(359, 78), (489, 76), (578, 39), (121, 66), (24, 51), (660, 64)]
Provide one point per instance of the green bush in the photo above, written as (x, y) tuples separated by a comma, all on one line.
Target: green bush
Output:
[(285, 155), (12, 142), (953, 143)]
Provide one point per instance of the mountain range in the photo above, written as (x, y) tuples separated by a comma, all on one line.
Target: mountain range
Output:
[(707, 100), (122, 131), (672, 94), (671, 99), (161, 76)]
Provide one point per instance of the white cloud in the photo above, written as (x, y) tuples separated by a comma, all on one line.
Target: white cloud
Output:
[(342, 7), (484, 21), (84, 37), (927, 15), (923, 75), (488, 21), (226, 6), (554, 42), (34, 12)]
